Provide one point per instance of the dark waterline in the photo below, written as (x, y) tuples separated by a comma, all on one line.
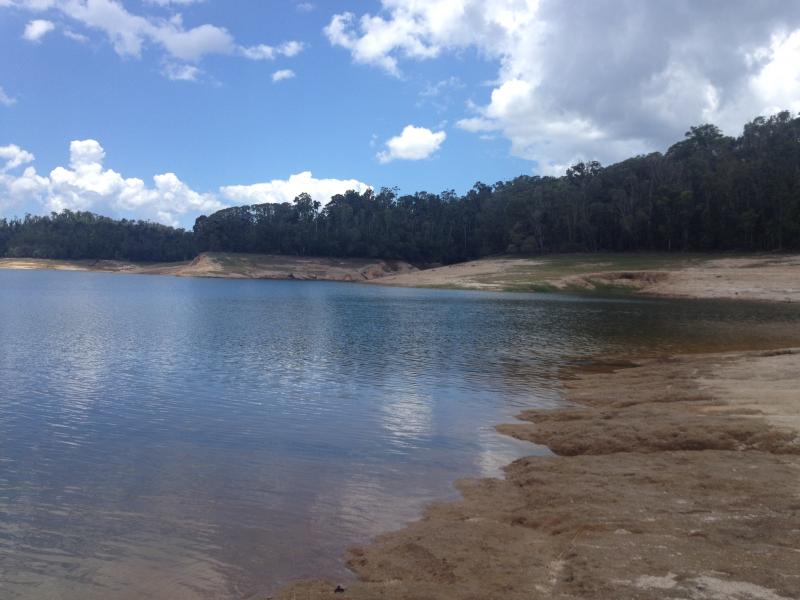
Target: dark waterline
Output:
[(193, 438)]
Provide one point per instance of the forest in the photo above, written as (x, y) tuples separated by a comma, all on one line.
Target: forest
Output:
[(707, 192), (83, 235)]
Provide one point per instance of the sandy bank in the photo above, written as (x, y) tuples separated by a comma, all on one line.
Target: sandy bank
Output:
[(676, 478), (761, 277), (232, 266)]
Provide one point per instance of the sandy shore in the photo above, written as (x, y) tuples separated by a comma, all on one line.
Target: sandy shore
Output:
[(761, 277), (674, 478), (231, 266), (757, 277)]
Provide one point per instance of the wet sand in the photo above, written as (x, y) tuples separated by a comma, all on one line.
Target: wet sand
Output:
[(676, 477)]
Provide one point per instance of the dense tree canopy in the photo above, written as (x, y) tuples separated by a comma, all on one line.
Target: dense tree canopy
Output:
[(707, 192), (79, 235)]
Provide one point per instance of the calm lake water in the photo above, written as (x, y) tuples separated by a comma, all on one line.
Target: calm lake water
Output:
[(187, 438)]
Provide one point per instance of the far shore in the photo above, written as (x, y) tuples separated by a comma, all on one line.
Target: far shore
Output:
[(232, 266), (769, 277)]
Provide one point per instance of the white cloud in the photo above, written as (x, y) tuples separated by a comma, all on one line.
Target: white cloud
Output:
[(5, 99), (176, 72), (15, 189), (265, 52), (173, 2), (282, 74), (286, 190), (129, 33), (75, 37), (87, 185), (14, 156), (596, 78), (38, 28), (777, 84), (291, 48), (414, 143)]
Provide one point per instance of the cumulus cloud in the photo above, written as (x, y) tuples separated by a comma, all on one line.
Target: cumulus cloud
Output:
[(14, 156), (282, 75), (596, 78), (38, 28), (86, 184), (5, 99), (413, 143), (286, 190), (15, 188)]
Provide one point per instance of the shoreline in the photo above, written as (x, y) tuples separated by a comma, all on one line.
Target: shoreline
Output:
[(674, 477), (762, 277), (230, 266), (770, 277)]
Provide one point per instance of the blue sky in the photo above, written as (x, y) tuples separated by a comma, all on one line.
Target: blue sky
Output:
[(491, 90)]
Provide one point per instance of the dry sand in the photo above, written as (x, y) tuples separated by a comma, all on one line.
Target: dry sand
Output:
[(676, 478), (762, 277), (232, 266)]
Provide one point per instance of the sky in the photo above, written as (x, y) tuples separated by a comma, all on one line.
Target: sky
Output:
[(168, 109)]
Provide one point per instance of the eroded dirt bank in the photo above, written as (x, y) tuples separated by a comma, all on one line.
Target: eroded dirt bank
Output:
[(232, 266), (676, 478)]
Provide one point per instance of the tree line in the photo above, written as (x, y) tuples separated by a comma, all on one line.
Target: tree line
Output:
[(84, 235), (708, 192)]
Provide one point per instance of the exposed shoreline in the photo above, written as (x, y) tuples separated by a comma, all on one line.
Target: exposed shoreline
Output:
[(770, 277), (676, 477), (765, 277), (231, 266)]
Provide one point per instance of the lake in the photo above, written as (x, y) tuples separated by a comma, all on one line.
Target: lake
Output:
[(194, 438)]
